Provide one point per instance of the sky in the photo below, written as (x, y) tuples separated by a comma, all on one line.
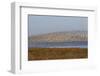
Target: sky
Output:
[(47, 24)]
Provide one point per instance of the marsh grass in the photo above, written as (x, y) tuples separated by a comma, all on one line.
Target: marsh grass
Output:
[(56, 53)]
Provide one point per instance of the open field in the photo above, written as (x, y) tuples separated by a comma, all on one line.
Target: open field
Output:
[(56, 53)]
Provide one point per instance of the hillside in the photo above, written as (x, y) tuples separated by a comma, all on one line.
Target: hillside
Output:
[(60, 36)]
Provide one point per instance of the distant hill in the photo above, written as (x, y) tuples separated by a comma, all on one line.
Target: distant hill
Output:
[(61, 36)]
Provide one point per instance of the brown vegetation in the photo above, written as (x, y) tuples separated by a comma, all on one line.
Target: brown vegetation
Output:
[(56, 53)]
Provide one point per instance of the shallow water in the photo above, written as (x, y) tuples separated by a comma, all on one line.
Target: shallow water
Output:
[(73, 44)]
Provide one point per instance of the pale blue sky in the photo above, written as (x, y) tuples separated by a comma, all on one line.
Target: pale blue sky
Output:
[(47, 24)]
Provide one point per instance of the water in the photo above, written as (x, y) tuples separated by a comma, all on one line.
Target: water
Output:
[(73, 44)]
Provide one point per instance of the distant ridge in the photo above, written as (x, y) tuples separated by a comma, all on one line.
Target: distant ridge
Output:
[(60, 36)]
